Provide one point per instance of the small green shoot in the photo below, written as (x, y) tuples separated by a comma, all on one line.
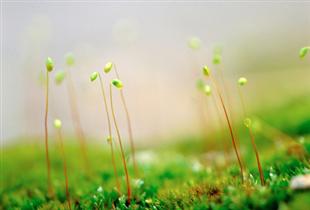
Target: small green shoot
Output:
[(58, 125)]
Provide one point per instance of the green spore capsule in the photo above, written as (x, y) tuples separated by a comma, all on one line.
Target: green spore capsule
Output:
[(207, 90), (194, 43), (247, 122), (117, 83), (94, 76), (59, 77), (303, 52), (69, 59), (107, 68), (49, 63), (242, 81), (217, 59), (57, 123), (200, 84), (109, 139), (206, 71)]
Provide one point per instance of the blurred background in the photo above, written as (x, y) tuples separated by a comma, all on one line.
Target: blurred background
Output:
[(148, 41)]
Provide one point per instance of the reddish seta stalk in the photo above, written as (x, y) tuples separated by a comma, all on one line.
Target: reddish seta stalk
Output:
[(64, 167), (121, 147), (229, 125), (76, 120), (49, 182), (261, 174), (132, 145), (110, 136)]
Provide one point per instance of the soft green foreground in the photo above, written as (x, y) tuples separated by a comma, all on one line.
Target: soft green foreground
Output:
[(179, 176)]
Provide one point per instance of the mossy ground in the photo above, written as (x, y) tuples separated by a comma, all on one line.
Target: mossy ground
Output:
[(174, 176)]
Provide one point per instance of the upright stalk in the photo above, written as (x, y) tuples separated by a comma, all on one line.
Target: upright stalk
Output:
[(76, 119), (121, 146), (229, 124), (261, 175), (221, 123), (132, 145), (110, 135), (48, 163), (64, 166)]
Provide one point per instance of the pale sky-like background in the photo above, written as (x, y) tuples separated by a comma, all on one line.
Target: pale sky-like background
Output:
[(148, 42)]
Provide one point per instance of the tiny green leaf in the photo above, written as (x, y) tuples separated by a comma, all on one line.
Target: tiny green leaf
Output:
[(117, 83), (107, 68), (206, 71), (49, 63), (194, 43), (242, 81), (69, 59), (207, 90), (59, 77), (94, 76), (57, 123), (217, 58), (303, 52)]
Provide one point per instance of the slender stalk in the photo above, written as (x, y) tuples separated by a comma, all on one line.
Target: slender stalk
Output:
[(261, 175), (229, 125), (76, 119), (221, 123), (228, 98), (132, 145), (121, 146), (110, 135), (48, 163), (64, 166)]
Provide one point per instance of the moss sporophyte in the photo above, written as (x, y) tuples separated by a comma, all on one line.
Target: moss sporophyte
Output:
[(304, 51), (242, 81), (119, 85), (107, 68), (93, 77), (58, 125), (49, 64), (206, 71)]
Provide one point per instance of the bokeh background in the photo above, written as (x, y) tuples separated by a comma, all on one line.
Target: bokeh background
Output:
[(149, 43)]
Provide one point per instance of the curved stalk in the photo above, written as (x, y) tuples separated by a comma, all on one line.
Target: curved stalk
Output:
[(261, 175), (221, 123), (132, 145), (121, 146), (48, 163), (229, 125), (110, 135), (64, 166)]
